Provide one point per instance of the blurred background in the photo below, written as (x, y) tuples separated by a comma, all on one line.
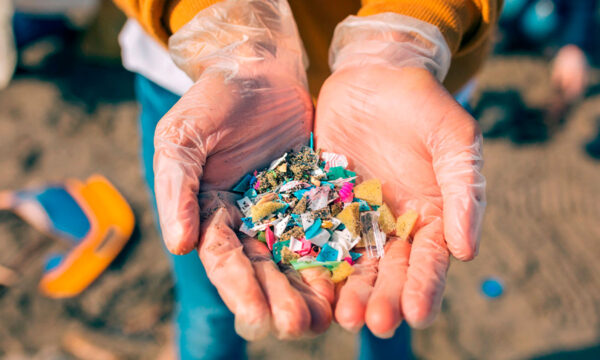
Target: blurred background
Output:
[(532, 293)]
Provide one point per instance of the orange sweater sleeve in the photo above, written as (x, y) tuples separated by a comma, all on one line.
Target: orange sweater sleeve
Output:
[(466, 24), (162, 18)]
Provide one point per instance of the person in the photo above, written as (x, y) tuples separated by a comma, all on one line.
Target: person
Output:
[(239, 97), (559, 28)]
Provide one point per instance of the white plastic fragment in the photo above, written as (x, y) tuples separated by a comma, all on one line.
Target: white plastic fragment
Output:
[(245, 204), (336, 222), (318, 198), (307, 220), (321, 238), (295, 244), (281, 225), (373, 237), (276, 162), (244, 229), (292, 184), (317, 172), (334, 160)]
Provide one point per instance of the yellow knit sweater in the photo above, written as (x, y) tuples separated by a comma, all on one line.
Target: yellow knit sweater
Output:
[(466, 25)]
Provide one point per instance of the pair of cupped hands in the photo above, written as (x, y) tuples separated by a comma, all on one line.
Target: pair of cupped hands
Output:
[(249, 105)]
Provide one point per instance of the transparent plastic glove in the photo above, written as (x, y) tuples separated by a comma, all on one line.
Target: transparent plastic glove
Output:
[(570, 72), (385, 109), (248, 106)]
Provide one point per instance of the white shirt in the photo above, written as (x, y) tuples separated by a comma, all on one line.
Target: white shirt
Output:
[(145, 56)]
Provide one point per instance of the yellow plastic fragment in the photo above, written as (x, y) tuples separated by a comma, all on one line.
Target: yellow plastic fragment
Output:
[(266, 198), (369, 191), (406, 223), (288, 255), (341, 272), (350, 217), (326, 224), (387, 220), (261, 210), (315, 181), (282, 168)]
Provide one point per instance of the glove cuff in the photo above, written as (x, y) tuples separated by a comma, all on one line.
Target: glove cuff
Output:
[(389, 39), (232, 34)]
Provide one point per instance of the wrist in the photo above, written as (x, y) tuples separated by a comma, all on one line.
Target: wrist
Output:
[(392, 40), (235, 36)]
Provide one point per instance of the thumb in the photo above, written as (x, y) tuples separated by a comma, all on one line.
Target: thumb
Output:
[(457, 161), (178, 161)]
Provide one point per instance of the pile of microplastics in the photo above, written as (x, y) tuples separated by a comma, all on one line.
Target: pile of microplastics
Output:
[(310, 212)]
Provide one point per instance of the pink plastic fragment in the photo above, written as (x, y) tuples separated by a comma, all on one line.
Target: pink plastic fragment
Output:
[(349, 260), (306, 247), (270, 237), (256, 184), (345, 192), (333, 160)]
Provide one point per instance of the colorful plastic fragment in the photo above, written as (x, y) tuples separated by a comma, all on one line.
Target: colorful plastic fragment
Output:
[(372, 236), (387, 221), (341, 272), (346, 194), (350, 217), (310, 212), (270, 238), (260, 211), (369, 191), (405, 224)]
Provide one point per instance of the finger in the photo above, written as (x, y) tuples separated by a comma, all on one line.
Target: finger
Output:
[(353, 295), (178, 160), (384, 313), (457, 162), (231, 272), (317, 288), (290, 314), (426, 275)]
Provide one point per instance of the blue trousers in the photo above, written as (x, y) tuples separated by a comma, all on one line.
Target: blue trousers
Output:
[(204, 325)]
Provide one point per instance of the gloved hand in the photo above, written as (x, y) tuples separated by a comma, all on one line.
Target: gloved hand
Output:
[(385, 109), (249, 104)]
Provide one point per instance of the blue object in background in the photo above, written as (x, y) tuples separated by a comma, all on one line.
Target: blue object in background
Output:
[(540, 20), (53, 261), (512, 8), (492, 288)]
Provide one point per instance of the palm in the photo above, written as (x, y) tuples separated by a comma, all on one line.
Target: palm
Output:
[(402, 127), (219, 131)]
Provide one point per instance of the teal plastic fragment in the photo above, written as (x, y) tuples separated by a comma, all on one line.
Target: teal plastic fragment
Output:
[(363, 206), (314, 229), (248, 222), (330, 185), (327, 253), (297, 219), (300, 193), (312, 140), (277, 247), (251, 193), (338, 172), (243, 185), (355, 255)]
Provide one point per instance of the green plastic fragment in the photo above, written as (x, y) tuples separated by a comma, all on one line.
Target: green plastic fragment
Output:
[(338, 172), (300, 265), (277, 250), (262, 237)]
